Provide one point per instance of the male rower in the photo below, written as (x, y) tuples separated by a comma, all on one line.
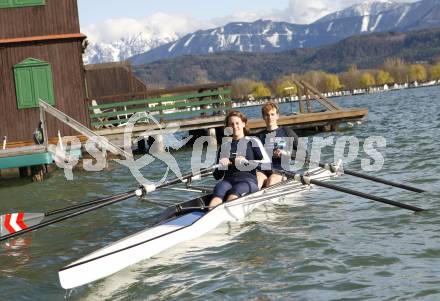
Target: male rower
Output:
[(275, 139)]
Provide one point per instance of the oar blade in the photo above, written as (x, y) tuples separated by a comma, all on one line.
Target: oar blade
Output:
[(14, 222)]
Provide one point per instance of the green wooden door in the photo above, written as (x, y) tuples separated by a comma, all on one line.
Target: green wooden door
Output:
[(25, 93), (42, 76), (5, 3), (33, 80)]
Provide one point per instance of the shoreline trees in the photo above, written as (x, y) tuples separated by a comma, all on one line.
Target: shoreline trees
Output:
[(393, 71)]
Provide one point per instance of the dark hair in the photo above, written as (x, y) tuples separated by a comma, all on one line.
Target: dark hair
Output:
[(239, 115), (269, 106)]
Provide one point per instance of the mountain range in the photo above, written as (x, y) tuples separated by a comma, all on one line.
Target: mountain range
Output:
[(122, 49), (269, 36), (365, 51)]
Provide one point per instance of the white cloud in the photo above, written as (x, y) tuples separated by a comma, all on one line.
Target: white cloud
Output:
[(158, 24), (306, 12), (239, 17), (303, 12)]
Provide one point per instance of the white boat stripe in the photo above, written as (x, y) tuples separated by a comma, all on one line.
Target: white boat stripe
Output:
[(13, 222)]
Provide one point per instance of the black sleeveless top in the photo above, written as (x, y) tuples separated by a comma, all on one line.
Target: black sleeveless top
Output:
[(251, 150)]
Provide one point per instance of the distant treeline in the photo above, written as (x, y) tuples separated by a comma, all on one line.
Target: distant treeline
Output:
[(355, 62), (393, 71)]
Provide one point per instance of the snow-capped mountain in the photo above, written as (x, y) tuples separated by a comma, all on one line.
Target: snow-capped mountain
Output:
[(381, 16), (366, 8), (259, 36), (125, 48), (269, 36)]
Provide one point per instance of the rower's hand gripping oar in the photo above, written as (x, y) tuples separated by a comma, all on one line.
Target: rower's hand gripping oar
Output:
[(307, 181), (16, 224)]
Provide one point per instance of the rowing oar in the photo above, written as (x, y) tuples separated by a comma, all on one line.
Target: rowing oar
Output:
[(383, 181), (14, 222), (21, 227), (307, 181), (333, 168), (25, 228)]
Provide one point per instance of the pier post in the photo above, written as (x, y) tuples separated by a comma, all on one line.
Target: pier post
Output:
[(301, 105), (142, 145), (43, 124), (158, 145), (309, 104), (9, 173), (23, 171), (212, 134), (39, 172)]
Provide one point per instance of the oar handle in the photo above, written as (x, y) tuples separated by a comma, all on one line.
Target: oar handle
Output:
[(148, 188), (190, 175)]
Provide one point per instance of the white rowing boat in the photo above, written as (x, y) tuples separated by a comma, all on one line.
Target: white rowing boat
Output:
[(182, 222)]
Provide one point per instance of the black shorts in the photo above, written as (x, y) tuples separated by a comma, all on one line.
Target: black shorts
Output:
[(236, 187), (273, 170)]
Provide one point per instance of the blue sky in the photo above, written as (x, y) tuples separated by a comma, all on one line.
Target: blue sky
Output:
[(95, 11)]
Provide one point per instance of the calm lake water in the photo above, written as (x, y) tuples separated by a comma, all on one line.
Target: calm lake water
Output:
[(324, 246)]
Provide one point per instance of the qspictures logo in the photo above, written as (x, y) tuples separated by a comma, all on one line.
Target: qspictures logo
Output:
[(204, 152)]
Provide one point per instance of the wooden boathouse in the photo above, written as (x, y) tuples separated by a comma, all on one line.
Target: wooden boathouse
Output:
[(109, 80), (41, 50), (41, 57)]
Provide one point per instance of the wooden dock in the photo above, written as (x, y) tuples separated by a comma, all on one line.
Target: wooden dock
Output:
[(24, 156), (318, 119), (306, 121), (198, 108), (25, 161)]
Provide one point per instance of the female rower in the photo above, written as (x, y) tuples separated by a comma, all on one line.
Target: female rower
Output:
[(238, 159)]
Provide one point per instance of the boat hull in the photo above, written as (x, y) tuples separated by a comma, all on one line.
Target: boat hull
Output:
[(169, 233)]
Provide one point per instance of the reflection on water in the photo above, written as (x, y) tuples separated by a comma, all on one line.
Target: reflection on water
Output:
[(323, 246), (15, 250)]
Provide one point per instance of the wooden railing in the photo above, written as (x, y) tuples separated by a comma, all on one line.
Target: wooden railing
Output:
[(177, 106)]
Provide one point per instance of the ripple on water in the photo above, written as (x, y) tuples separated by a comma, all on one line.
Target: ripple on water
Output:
[(371, 260)]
